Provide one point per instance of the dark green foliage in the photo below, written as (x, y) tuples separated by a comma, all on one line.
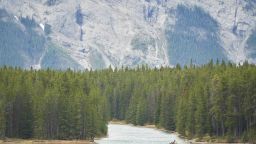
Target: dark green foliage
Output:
[(211, 100), (194, 101), (50, 105)]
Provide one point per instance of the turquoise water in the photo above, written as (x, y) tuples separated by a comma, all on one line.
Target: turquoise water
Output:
[(127, 134)]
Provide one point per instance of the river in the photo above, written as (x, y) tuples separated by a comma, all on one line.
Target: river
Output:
[(127, 134)]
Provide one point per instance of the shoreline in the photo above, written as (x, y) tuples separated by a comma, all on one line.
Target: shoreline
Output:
[(192, 141), (35, 141), (150, 126)]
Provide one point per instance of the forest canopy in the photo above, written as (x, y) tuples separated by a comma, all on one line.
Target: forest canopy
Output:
[(214, 99)]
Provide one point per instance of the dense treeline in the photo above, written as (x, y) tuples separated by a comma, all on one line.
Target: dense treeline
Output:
[(211, 100), (50, 105)]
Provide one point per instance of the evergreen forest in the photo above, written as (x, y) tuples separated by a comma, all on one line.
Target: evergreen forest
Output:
[(216, 100)]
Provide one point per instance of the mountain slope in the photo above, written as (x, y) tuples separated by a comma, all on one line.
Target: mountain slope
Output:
[(99, 33), (24, 44)]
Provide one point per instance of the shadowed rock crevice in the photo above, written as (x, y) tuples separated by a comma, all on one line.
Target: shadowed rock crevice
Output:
[(193, 37)]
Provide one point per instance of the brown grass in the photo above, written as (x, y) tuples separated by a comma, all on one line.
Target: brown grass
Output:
[(19, 141)]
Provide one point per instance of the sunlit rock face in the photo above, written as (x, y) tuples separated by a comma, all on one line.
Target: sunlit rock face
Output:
[(98, 33)]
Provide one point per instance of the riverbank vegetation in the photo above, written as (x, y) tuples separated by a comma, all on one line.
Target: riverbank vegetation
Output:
[(50, 105), (23, 141), (214, 100)]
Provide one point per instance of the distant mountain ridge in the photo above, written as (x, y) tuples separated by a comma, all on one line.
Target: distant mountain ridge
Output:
[(78, 34)]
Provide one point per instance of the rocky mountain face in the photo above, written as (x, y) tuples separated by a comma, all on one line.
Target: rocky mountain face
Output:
[(97, 33)]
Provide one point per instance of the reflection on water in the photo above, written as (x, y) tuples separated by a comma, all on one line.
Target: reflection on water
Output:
[(126, 134)]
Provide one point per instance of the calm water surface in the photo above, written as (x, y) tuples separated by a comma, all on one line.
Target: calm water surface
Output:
[(127, 134)]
